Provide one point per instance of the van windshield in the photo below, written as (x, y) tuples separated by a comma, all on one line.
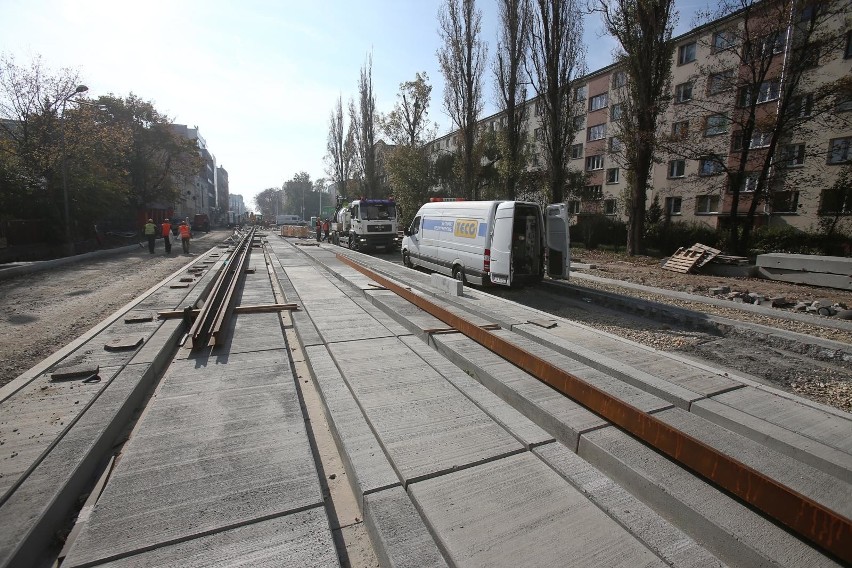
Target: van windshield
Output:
[(377, 212)]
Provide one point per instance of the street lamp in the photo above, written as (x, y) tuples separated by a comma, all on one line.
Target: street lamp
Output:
[(69, 241)]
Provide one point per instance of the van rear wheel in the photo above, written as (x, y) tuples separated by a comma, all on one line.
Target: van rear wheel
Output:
[(458, 274)]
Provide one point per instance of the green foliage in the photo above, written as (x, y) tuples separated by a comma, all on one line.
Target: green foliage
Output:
[(597, 230), (668, 237), (654, 213), (791, 240), (408, 171)]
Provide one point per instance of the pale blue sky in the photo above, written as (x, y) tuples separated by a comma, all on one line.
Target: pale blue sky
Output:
[(259, 78)]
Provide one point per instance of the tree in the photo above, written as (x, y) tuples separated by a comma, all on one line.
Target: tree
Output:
[(462, 59), (266, 201), (407, 123), (299, 196), (363, 120), (510, 59), (556, 60), (643, 29), (340, 147)]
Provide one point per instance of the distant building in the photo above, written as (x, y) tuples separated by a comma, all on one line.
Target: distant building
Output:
[(198, 194), (222, 200)]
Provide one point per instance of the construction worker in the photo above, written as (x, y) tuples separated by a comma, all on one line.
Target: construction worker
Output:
[(185, 235), (319, 229), (167, 230), (151, 235), (325, 227)]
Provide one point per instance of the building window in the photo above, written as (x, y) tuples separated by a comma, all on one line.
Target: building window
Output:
[(614, 145), (619, 79), (749, 183), (573, 207), (710, 166), (673, 205), (716, 124), (801, 106), (793, 155), (718, 82), (677, 168), (706, 204), (615, 111), (595, 162), (686, 53), (612, 175), (539, 108), (784, 202), (580, 93), (680, 129), (808, 55), (723, 40), (598, 102), (838, 152), (834, 202), (609, 207), (683, 92), (576, 151), (843, 103), (772, 44), (767, 91), (579, 121), (593, 192), (848, 52), (597, 132), (539, 134), (535, 159)]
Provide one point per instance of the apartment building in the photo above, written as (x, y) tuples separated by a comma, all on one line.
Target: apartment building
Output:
[(729, 77)]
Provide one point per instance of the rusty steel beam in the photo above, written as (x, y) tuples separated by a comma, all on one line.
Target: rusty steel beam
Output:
[(812, 521)]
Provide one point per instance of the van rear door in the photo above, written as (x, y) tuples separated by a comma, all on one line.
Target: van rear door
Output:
[(501, 244)]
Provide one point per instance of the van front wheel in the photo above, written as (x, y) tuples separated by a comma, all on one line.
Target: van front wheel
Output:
[(406, 259), (458, 274)]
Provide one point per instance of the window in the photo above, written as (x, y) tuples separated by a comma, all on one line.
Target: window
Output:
[(706, 204), (833, 201), (597, 132), (539, 134), (683, 92), (609, 207), (686, 53), (785, 202), (848, 52), (614, 145), (767, 91), (580, 93), (718, 82), (595, 162), (801, 106), (716, 124), (539, 108), (593, 191), (838, 151), (843, 104), (677, 168), (578, 122), (615, 111), (772, 44), (573, 207), (710, 166), (576, 151), (673, 205), (619, 79), (612, 175), (493, 125), (793, 155), (760, 139), (535, 159), (808, 55), (680, 129), (414, 228), (749, 183), (598, 102), (723, 40)]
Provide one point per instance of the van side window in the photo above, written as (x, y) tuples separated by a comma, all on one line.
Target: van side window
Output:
[(414, 229)]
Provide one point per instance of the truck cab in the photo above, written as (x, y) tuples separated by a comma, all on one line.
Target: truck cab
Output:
[(367, 223)]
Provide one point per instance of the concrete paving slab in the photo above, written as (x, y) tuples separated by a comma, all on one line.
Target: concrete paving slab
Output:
[(301, 539), (252, 462), (809, 481), (664, 539), (521, 427), (425, 425), (305, 329), (247, 333), (38, 508), (558, 415), (731, 531), (401, 538), (364, 459), (343, 320), (516, 511), (390, 323)]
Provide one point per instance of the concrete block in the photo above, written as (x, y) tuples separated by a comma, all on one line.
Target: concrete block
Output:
[(806, 263), (446, 284), (719, 290)]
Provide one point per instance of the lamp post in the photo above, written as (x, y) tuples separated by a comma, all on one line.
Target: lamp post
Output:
[(69, 241)]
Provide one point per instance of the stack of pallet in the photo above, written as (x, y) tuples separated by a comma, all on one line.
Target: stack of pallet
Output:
[(688, 259)]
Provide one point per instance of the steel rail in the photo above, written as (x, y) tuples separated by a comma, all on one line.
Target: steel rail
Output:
[(812, 521), (212, 315)]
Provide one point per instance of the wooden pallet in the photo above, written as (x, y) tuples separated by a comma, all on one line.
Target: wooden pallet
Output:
[(709, 253), (684, 260)]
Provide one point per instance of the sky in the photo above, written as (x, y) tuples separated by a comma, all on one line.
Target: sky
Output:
[(258, 78)]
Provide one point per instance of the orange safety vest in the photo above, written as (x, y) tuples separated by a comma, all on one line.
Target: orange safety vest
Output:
[(167, 227), (184, 232)]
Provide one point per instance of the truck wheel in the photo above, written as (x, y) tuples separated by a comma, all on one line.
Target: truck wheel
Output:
[(352, 245), (458, 274), (406, 259), (335, 238)]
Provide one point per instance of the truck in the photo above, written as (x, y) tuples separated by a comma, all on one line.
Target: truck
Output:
[(366, 224), (484, 242)]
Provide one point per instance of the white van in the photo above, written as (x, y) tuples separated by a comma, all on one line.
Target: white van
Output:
[(481, 242)]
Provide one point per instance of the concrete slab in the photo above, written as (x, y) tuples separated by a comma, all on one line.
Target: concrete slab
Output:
[(521, 427), (558, 415), (729, 530), (516, 511), (250, 461), (363, 457), (666, 540), (401, 538), (806, 263), (425, 425), (300, 539)]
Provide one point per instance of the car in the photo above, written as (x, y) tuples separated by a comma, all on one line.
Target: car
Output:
[(201, 222)]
